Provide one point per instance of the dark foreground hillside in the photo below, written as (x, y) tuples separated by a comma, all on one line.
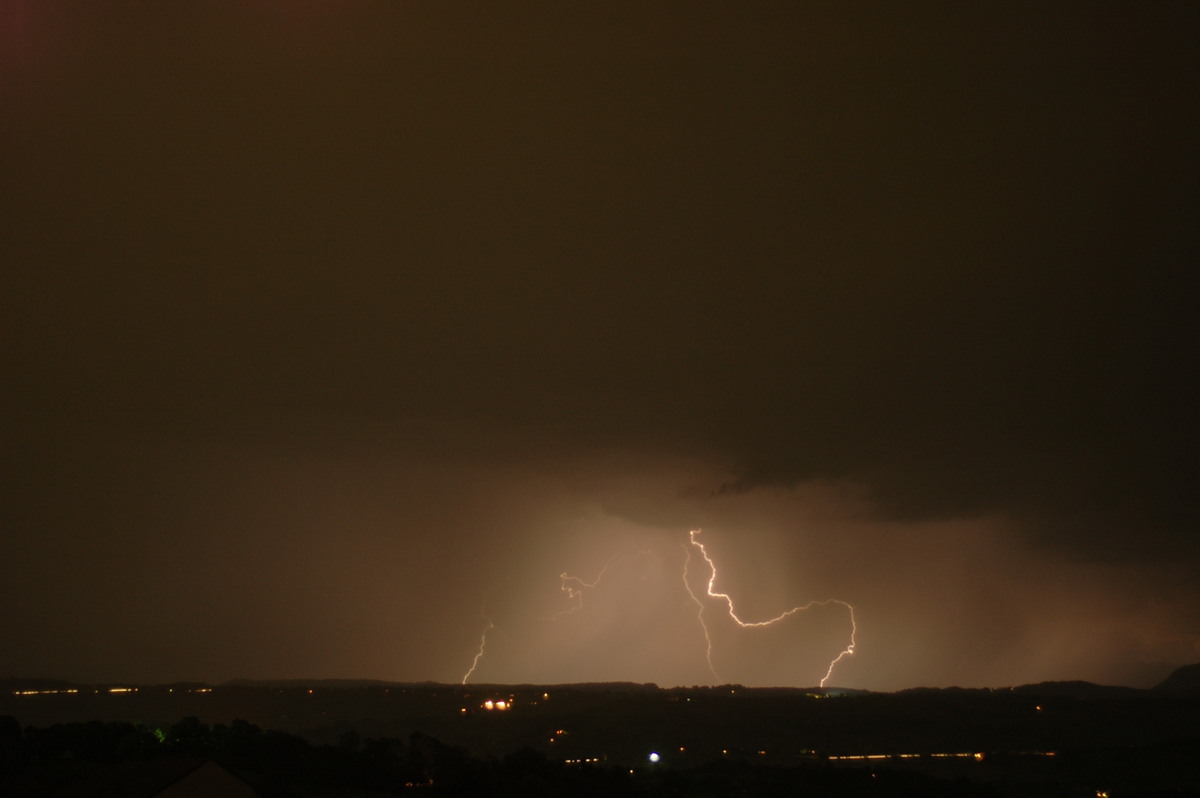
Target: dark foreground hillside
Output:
[(321, 738), (121, 759)]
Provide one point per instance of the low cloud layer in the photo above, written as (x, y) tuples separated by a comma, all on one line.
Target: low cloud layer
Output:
[(345, 324)]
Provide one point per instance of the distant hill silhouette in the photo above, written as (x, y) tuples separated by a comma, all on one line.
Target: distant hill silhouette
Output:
[(1070, 689), (1076, 689), (324, 683), (11, 683), (1182, 680), (947, 691)]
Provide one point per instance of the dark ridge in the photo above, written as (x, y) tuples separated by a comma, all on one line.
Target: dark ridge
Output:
[(1182, 680), (945, 690), (1076, 689), (11, 683), (608, 687), (325, 683), (618, 687), (1067, 689), (1185, 679)]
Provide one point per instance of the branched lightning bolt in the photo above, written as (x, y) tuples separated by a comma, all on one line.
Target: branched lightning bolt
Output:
[(687, 560), (574, 587), (712, 592), (849, 649), (482, 645)]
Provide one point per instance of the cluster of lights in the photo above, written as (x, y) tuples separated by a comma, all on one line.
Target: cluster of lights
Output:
[(977, 756), (73, 690), (45, 692), (499, 705)]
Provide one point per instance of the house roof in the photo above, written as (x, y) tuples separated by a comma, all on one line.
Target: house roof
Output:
[(171, 777)]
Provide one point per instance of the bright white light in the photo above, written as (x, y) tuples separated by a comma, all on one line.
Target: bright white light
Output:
[(654, 757)]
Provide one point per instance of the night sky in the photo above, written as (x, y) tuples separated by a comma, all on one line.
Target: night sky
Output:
[(333, 332)]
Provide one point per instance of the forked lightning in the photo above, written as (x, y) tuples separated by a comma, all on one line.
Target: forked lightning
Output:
[(712, 592), (575, 587)]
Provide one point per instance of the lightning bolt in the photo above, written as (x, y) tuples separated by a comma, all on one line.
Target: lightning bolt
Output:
[(687, 560), (574, 587), (849, 649), (482, 645), (712, 592)]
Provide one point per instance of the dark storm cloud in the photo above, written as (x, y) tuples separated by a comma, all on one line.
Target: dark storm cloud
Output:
[(938, 255)]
